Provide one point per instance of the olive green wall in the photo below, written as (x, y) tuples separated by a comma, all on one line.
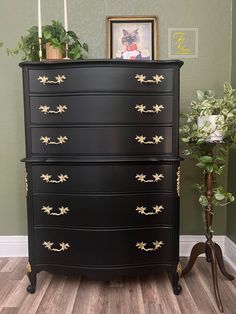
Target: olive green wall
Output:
[(87, 17), (231, 209)]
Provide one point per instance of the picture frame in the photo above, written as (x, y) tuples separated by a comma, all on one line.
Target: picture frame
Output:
[(132, 37)]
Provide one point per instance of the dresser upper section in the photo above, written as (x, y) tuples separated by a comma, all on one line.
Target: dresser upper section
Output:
[(101, 76)]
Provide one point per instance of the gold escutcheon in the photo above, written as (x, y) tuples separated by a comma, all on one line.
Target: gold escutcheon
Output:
[(61, 178), (63, 246), (156, 79), (156, 245), (59, 79), (155, 140), (142, 178), (155, 109), (156, 210), (60, 140), (46, 109), (62, 210)]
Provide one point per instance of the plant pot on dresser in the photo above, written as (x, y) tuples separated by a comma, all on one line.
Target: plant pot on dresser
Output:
[(102, 168)]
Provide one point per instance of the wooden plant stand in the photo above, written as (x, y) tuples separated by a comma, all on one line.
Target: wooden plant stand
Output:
[(211, 249)]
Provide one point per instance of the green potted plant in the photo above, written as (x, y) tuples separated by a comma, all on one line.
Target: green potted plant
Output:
[(209, 129), (54, 37)]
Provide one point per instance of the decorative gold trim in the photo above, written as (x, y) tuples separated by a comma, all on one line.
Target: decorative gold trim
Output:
[(155, 139), (59, 79), (156, 177), (62, 210), (63, 246), (28, 268), (61, 178), (156, 210), (155, 109), (26, 184), (142, 246), (46, 109), (179, 269), (156, 79), (61, 140), (178, 182)]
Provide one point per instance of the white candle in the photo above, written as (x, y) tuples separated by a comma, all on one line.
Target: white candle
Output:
[(39, 19), (65, 16)]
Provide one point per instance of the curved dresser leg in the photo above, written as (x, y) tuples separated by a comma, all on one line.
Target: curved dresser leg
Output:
[(32, 278), (174, 277)]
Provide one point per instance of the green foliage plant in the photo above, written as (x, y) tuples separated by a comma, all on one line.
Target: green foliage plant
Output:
[(210, 157), (56, 36)]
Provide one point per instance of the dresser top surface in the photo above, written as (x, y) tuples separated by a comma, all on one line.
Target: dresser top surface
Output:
[(101, 62)]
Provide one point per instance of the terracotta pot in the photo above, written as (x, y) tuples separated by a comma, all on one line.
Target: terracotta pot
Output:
[(212, 125), (53, 53)]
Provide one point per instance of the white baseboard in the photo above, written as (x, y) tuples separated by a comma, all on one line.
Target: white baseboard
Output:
[(17, 246)]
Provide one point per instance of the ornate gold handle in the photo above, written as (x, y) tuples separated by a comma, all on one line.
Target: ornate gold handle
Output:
[(155, 140), (142, 178), (58, 79), (156, 210), (63, 246), (48, 210), (155, 109), (142, 246), (46, 109), (61, 178), (60, 140), (156, 79)]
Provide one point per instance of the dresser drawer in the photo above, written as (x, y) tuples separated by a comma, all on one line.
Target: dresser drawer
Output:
[(103, 210), (102, 140), (103, 178), (100, 79), (103, 247), (101, 109)]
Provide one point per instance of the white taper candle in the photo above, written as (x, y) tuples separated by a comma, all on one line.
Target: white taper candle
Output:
[(65, 16), (39, 19)]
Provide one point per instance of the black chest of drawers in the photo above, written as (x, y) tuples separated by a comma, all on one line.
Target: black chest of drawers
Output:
[(102, 168)]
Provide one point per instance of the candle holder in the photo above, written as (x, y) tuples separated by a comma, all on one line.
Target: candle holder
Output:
[(40, 49)]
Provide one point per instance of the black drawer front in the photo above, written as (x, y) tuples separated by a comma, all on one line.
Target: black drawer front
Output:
[(101, 109), (98, 211), (102, 140), (102, 248), (99, 79), (103, 178)]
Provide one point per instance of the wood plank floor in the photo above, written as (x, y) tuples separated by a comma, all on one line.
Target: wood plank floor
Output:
[(147, 295)]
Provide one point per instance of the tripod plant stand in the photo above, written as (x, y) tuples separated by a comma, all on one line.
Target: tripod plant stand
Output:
[(211, 249)]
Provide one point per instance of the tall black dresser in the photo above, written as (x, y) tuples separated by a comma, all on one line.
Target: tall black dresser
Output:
[(102, 168)]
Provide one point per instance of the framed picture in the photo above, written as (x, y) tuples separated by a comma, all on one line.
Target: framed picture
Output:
[(132, 37)]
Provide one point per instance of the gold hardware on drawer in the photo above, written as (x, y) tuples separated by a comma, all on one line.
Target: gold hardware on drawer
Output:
[(155, 140), (142, 177), (156, 245), (63, 246), (46, 109), (178, 182), (155, 109), (156, 210), (48, 210), (156, 79), (58, 79), (60, 140), (61, 178)]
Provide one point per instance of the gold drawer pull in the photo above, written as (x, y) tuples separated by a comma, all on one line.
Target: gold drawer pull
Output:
[(155, 109), (48, 210), (142, 178), (142, 246), (46, 109), (60, 140), (58, 79), (156, 79), (61, 178), (156, 210), (63, 246), (155, 140)]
